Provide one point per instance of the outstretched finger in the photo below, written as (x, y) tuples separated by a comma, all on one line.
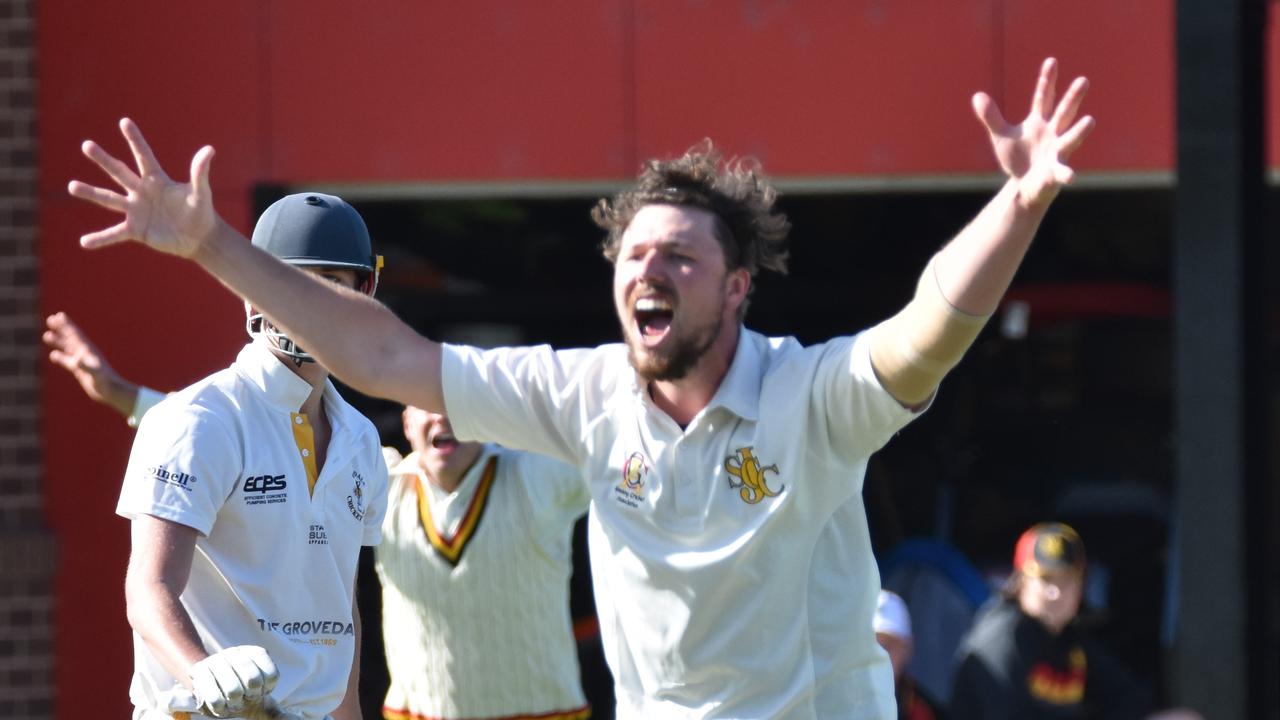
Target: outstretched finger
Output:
[(63, 333), (117, 233), (1063, 174), (200, 164), (985, 108), (1071, 140), (147, 163), (100, 196), (58, 321), (63, 360), (1065, 114), (1046, 88), (118, 171)]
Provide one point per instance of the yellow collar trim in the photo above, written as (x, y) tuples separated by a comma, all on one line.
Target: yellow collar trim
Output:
[(450, 547), (305, 438)]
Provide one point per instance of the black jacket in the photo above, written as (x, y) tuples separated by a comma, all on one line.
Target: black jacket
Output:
[(1011, 667)]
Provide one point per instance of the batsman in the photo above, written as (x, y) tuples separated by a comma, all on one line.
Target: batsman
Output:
[(250, 494)]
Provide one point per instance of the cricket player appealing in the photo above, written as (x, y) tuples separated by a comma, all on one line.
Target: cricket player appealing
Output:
[(728, 542), (250, 495), (474, 562)]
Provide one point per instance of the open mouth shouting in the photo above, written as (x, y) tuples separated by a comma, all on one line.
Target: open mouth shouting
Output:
[(443, 442), (653, 316)]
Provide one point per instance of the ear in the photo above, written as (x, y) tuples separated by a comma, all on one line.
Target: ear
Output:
[(737, 285)]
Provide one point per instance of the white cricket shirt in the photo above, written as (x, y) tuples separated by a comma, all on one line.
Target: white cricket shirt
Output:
[(275, 562), (475, 591), (732, 565)]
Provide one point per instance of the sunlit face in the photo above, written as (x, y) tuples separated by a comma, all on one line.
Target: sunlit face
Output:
[(671, 289), (431, 436), (1053, 599)]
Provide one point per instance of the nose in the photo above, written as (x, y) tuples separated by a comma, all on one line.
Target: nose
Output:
[(652, 267)]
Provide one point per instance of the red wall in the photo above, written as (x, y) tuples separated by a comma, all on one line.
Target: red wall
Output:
[(297, 92)]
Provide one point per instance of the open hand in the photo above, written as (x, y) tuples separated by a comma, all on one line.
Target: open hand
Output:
[(1035, 151), (72, 350), (169, 216)]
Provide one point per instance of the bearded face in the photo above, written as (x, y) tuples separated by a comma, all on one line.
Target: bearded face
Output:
[(671, 290), (661, 348)]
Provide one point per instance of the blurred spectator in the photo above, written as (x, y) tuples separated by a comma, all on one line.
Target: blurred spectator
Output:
[(1025, 658), (893, 631), (944, 592)]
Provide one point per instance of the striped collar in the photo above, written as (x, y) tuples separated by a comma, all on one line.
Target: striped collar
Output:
[(449, 546)]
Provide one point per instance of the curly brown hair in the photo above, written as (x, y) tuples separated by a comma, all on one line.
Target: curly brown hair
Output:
[(752, 234)]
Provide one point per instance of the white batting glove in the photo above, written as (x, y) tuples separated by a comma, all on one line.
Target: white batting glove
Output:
[(269, 709), (237, 679), (177, 700)]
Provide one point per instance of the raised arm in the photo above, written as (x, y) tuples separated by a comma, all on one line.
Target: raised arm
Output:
[(73, 351), (964, 282), (355, 337), (976, 267)]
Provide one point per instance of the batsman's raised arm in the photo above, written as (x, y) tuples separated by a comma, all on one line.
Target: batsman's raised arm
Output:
[(357, 338), (964, 282)]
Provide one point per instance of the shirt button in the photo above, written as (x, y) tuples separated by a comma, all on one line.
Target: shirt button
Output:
[(305, 452), (298, 420)]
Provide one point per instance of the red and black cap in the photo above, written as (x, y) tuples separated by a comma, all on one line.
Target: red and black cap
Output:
[(1047, 548)]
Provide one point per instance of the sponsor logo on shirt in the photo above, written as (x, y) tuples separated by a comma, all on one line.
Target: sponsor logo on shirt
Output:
[(355, 501), (309, 632), (748, 477), (175, 478), (265, 489), (1060, 687), (630, 491), (317, 536)]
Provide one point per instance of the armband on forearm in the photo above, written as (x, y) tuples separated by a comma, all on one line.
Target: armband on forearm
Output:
[(147, 399), (913, 350)]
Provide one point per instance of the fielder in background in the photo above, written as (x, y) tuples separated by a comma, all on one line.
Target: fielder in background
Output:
[(892, 625), (250, 495), (474, 562), (732, 565), (1026, 659)]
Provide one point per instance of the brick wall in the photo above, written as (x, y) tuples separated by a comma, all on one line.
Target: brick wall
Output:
[(26, 547)]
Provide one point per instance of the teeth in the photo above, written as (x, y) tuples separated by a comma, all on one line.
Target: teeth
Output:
[(652, 304)]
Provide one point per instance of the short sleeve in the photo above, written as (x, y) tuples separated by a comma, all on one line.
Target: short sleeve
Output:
[(860, 416), (184, 464), (558, 495), (528, 398), (379, 482)]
